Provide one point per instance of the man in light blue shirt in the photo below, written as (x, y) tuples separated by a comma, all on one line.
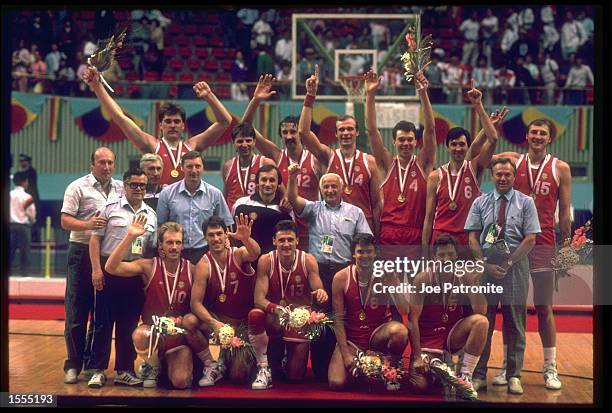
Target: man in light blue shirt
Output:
[(332, 225), (511, 216), (191, 202)]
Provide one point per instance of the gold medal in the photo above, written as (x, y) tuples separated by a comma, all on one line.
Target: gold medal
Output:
[(283, 303), (222, 298), (452, 206), (348, 190), (362, 315), (174, 173), (444, 317), (401, 198)]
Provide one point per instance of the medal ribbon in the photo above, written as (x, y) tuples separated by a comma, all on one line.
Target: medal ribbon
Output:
[(302, 158), (177, 160), (401, 177), (222, 275), (437, 280), (453, 193), (532, 184), (284, 286), (243, 182), (353, 274), (348, 178), (169, 291)]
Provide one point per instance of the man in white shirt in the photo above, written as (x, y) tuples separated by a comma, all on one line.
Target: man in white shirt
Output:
[(22, 216), (470, 28)]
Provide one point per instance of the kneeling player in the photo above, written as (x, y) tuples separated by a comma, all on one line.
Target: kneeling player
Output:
[(364, 323), (285, 276), (167, 283), (438, 319), (223, 290)]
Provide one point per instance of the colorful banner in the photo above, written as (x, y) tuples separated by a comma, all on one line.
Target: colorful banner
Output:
[(446, 117), (200, 116), (514, 127), (25, 108), (54, 117)]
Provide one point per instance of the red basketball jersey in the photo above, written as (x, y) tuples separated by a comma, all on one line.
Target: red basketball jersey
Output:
[(164, 295), (411, 212), (239, 287), (469, 189), (307, 182), (432, 328), (295, 283), (546, 188), (360, 195), (233, 191), (359, 331), (166, 177)]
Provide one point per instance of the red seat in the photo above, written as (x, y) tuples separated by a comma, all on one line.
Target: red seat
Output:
[(125, 64), (182, 40), (223, 91), (200, 41), (191, 29), (87, 15), (150, 76), (206, 77), (168, 76), (226, 65), (193, 64), (176, 63), (217, 42), (223, 77), (186, 77), (201, 52), (133, 89), (169, 51), (174, 29), (173, 92), (132, 76), (212, 18), (185, 52), (210, 65), (218, 53), (207, 29), (121, 15)]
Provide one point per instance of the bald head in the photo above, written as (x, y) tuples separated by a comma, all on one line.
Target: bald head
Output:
[(103, 164)]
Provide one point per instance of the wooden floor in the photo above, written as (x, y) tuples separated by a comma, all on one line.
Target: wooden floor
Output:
[(37, 352)]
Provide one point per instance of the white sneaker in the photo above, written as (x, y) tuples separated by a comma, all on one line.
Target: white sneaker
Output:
[(263, 381), (211, 375), (127, 378), (392, 385), (514, 386), (479, 384), (71, 376), (148, 374), (97, 380), (500, 379), (550, 377)]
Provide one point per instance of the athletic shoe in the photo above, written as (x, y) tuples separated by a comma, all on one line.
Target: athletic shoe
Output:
[(126, 378), (71, 376), (479, 384), (263, 381), (211, 375), (467, 379), (550, 377), (514, 386), (500, 379), (392, 385), (88, 374), (149, 375), (97, 380)]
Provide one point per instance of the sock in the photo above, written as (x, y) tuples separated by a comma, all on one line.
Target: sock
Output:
[(550, 355), (205, 356), (260, 345), (469, 363), (505, 355)]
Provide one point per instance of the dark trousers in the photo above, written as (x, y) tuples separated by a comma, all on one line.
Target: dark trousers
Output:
[(321, 350), (21, 237), (119, 303), (78, 300), (194, 254)]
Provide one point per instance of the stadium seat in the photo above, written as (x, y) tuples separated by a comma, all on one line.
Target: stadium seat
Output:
[(191, 30), (213, 18), (223, 77), (217, 42), (168, 76), (125, 64), (169, 52), (226, 65), (223, 91), (207, 29), (176, 63), (210, 65), (173, 91), (150, 76), (199, 41), (201, 52), (193, 64), (132, 76), (205, 77), (218, 53), (133, 89), (174, 29), (121, 15), (185, 52), (182, 40), (87, 15), (186, 77)]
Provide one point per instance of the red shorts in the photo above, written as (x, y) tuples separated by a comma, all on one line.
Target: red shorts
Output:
[(438, 343), (173, 343), (396, 235), (543, 251), (363, 342), (461, 238)]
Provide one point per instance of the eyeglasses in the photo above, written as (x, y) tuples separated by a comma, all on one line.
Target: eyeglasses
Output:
[(136, 185)]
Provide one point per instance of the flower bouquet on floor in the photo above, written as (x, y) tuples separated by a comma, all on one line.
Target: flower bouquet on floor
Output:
[(574, 251), (447, 376), (308, 323), (234, 343), (375, 366)]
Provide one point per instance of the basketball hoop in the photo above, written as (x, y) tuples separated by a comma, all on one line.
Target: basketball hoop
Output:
[(354, 86)]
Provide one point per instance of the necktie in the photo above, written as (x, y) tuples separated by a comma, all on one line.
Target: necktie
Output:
[(501, 216)]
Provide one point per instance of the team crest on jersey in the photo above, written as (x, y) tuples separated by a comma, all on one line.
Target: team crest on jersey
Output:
[(298, 278), (357, 168), (467, 180), (181, 284), (253, 216), (232, 275), (304, 170), (413, 174), (544, 175), (252, 177)]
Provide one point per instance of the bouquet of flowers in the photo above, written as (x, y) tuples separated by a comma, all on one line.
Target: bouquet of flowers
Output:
[(576, 249), (307, 322), (104, 57), (234, 343), (418, 54), (162, 326), (446, 375), (375, 366)]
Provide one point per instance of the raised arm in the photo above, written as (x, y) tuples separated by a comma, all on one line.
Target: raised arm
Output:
[(250, 250), (484, 158), (382, 154), (427, 155), (203, 140), (143, 141), (320, 151), (292, 190), (198, 292), (497, 118), (430, 209), (116, 266)]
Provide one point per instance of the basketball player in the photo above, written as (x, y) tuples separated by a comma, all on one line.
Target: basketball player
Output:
[(358, 170), (223, 288), (167, 284), (548, 180), (286, 276), (171, 124)]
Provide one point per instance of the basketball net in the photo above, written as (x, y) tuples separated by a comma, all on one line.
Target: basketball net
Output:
[(354, 86)]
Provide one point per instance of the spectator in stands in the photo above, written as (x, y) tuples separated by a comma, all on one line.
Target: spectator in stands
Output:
[(547, 15), (572, 35), (452, 78), (364, 41), (588, 27), (52, 60), (549, 70), (104, 24), (549, 37), (265, 63), (139, 37), (248, 16), (434, 75), (89, 47), (519, 94), (535, 81), (489, 27), (505, 80), (484, 79), (348, 42), (526, 19), (329, 41), (579, 77), (81, 63), (305, 68), (283, 79), (64, 85), (470, 28), (283, 47), (228, 18), (380, 33), (157, 36), (239, 75), (66, 39), (25, 166), (21, 63), (262, 33), (509, 37), (38, 69)]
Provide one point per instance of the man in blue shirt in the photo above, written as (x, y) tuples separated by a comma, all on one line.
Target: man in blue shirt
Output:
[(508, 218), (191, 202)]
